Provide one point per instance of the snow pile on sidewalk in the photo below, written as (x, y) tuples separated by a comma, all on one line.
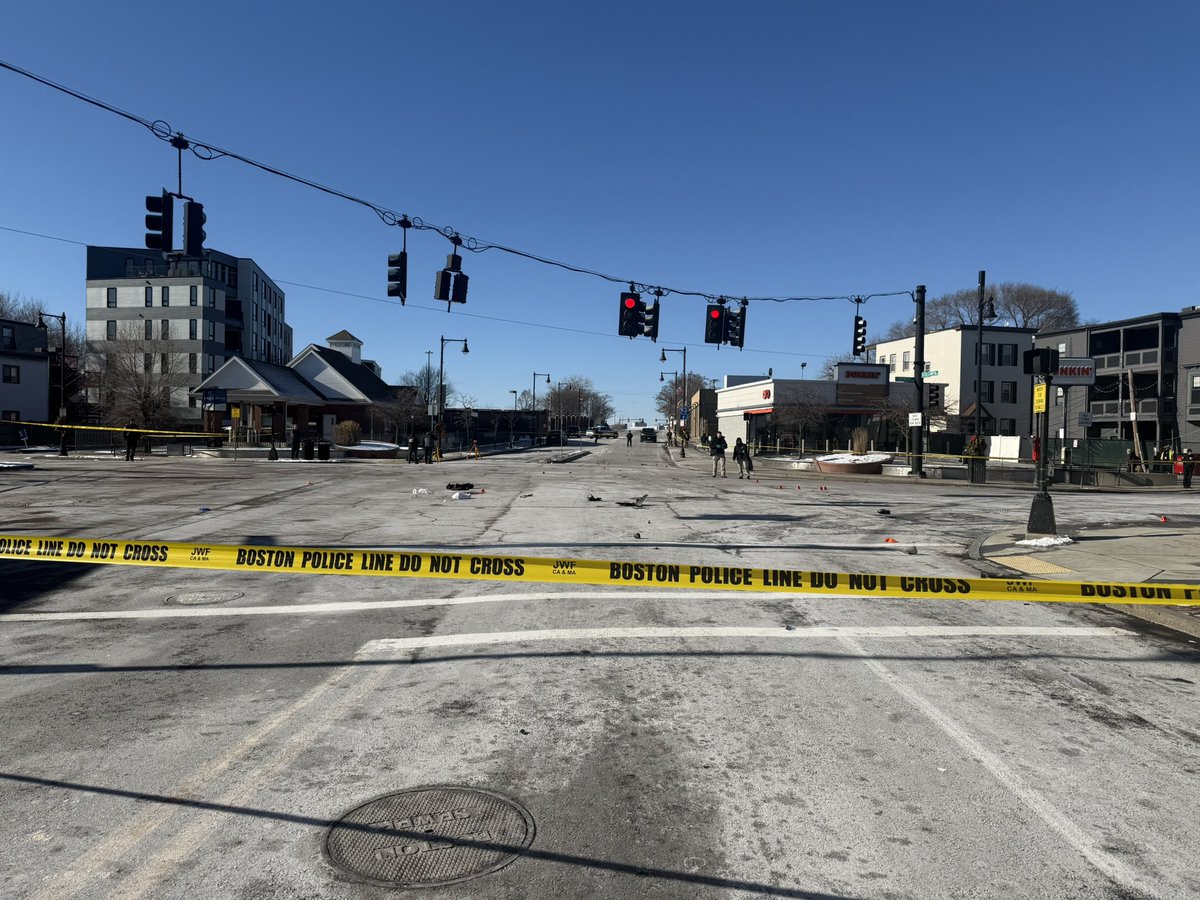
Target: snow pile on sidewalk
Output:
[(856, 460), (1048, 541)]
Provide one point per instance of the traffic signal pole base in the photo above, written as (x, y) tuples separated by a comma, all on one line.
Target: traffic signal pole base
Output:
[(1041, 516)]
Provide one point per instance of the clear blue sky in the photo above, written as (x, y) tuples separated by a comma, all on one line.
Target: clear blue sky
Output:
[(774, 148)]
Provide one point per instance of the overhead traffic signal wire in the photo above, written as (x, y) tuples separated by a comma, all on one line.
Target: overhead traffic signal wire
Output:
[(207, 151)]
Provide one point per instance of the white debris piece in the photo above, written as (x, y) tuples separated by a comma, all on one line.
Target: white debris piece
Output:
[(420, 492), (461, 495)]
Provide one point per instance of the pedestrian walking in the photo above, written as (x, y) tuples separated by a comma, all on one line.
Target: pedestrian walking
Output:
[(716, 448), (741, 456), (629, 438), (1189, 467), (295, 442), (429, 447), (414, 449), (131, 439)]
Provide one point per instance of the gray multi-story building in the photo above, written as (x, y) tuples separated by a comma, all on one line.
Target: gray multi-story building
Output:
[(179, 320), (1147, 380), (24, 376)]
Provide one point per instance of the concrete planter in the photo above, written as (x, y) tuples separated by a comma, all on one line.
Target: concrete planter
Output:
[(851, 468)]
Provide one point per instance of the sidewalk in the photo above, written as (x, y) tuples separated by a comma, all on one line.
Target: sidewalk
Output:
[(1123, 553)]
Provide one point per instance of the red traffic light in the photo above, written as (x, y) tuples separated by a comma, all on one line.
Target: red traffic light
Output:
[(716, 313), (630, 302)]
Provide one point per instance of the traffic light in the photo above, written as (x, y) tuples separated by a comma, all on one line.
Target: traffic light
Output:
[(160, 223), (458, 293), (441, 286), (193, 229), (735, 327), (935, 396), (632, 321), (650, 321), (714, 324), (398, 275), (860, 335)]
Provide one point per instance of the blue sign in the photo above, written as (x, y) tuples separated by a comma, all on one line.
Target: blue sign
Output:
[(215, 396), (683, 415)]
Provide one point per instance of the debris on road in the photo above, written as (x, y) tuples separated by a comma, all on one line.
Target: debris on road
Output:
[(420, 492), (636, 502), (460, 486), (461, 495), (594, 499)]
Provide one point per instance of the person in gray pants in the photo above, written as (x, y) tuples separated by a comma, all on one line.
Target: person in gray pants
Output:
[(716, 448)]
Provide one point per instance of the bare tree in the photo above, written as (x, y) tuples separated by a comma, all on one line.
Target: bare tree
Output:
[(893, 410), (802, 411), (1024, 305), (406, 412), (576, 397), (425, 380), (139, 381), (829, 367)]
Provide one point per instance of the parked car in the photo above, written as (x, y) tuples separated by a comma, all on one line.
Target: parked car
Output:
[(601, 431), (649, 434), (555, 439)]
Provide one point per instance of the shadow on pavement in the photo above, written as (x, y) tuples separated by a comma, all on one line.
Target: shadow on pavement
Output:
[(27, 581)]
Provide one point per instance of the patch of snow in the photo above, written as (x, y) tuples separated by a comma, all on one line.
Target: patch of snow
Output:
[(371, 445), (1048, 541), (855, 460)]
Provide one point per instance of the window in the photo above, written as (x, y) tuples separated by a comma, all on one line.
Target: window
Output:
[(147, 362), (8, 338), (12, 375), (1008, 426), (192, 402), (212, 331), (149, 330), (192, 363), (166, 295), (164, 364), (112, 298), (1008, 389), (193, 292), (149, 295), (166, 329), (11, 415), (212, 296), (892, 362), (1008, 354), (209, 366), (988, 392), (192, 325), (110, 330), (989, 354), (1062, 348), (1195, 398), (907, 363)]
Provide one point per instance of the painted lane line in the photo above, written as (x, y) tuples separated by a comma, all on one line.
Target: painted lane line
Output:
[(389, 645), (1056, 819)]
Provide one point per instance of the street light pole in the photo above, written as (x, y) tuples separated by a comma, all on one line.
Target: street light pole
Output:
[(441, 402), (686, 395), (513, 422), (62, 376), (990, 313), (535, 428)]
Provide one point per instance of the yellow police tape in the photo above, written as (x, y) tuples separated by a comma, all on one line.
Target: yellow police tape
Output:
[(58, 427), (475, 567)]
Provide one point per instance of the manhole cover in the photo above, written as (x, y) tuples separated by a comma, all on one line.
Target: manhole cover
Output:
[(429, 836), (200, 598)]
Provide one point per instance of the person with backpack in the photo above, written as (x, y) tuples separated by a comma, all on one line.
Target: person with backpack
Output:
[(741, 456)]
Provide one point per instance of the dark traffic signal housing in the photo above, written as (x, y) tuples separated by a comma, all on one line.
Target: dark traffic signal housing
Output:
[(935, 396), (632, 322), (860, 335), (650, 320), (398, 275), (735, 327), (193, 229), (714, 324), (160, 223), (451, 283)]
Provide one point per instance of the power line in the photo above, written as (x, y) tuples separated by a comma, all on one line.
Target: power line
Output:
[(207, 151)]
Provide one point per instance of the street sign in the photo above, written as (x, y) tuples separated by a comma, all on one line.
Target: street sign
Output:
[(1039, 397), (215, 396), (236, 412), (1085, 419), (930, 374), (683, 413), (914, 420)]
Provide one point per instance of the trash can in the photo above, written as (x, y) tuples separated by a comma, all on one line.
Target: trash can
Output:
[(323, 449), (978, 470), (307, 448)]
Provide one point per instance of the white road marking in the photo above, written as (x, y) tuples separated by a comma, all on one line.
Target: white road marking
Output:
[(1055, 818), (388, 645)]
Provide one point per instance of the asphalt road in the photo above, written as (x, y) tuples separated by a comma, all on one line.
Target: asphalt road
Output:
[(169, 733)]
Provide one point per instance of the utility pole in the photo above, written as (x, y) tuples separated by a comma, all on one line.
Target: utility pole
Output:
[(917, 432)]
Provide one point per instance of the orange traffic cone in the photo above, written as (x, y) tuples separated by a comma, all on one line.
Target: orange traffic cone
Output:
[(890, 541)]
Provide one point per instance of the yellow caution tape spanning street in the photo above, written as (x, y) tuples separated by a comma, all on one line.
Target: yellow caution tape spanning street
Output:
[(57, 427), (475, 567)]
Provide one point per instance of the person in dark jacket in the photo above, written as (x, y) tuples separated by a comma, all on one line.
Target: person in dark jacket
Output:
[(131, 439), (741, 456), (414, 449), (429, 439), (716, 448), (295, 443), (1189, 467)]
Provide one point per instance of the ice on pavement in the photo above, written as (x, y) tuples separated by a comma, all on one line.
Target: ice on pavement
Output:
[(1052, 540)]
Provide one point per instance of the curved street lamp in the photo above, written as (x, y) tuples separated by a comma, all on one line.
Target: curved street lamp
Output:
[(441, 397)]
